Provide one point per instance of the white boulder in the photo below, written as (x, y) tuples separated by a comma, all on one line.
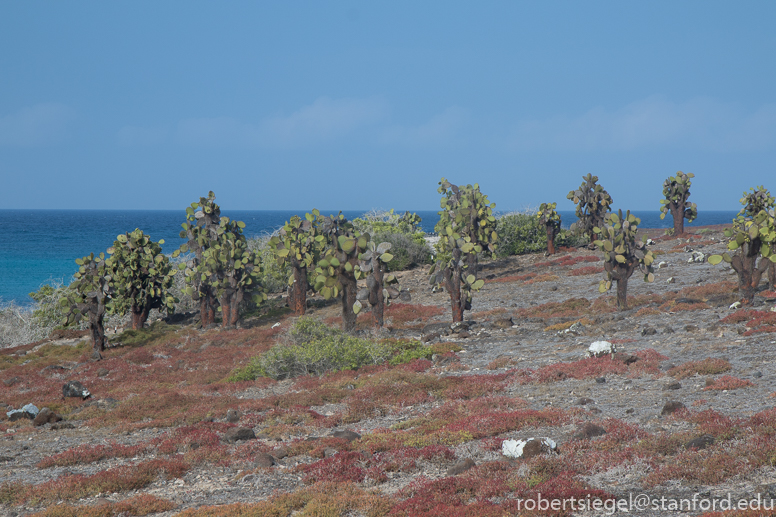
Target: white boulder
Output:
[(600, 348)]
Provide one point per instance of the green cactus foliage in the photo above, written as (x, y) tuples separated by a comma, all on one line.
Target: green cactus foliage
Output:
[(593, 202), (338, 271), (297, 247), (550, 219), (466, 228), (676, 190), (623, 254), (223, 270), (752, 236), (142, 276), (88, 297), (379, 290)]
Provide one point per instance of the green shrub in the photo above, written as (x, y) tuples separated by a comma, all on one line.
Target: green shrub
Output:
[(406, 250), (407, 351), (273, 277), (519, 234), (378, 221), (314, 349)]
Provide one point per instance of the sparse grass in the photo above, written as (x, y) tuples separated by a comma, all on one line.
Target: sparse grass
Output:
[(728, 382), (143, 504), (542, 278), (708, 366)]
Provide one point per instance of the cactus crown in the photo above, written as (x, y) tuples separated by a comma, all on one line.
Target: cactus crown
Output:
[(676, 190), (592, 204), (622, 252), (547, 214)]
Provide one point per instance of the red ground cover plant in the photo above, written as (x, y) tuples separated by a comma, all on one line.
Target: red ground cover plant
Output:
[(78, 486), (511, 278), (403, 313), (672, 306), (542, 278), (586, 270), (569, 260), (84, 454), (144, 504), (728, 382), (571, 308), (708, 366), (648, 363)]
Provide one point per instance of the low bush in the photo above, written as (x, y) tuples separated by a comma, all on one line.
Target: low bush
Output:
[(408, 251), (519, 234), (313, 349), (706, 366)]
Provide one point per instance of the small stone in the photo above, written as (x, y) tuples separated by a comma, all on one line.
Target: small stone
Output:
[(463, 334), (236, 434), (709, 381), (700, 443), (75, 389), (584, 401), (757, 374), (12, 381), (405, 296), (328, 452), (671, 280), (673, 385), (625, 358), (102, 372), (600, 380), (249, 478), (346, 435), (62, 425), (461, 467), (527, 448), (588, 431), (630, 411), (668, 330), (671, 407), (691, 328), (264, 460), (595, 410), (45, 416), (280, 453), (232, 416), (648, 331)]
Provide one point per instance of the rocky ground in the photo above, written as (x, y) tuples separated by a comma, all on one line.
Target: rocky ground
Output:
[(511, 331)]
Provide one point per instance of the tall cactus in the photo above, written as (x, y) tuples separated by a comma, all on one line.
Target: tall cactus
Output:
[(550, 219), (752, 236), (298, 245), (337, 272), (89, 296), (622, 254), (201, 231), (676, 190), (223, 270), (466, 227), (593, 202), (374, 263), (142, 276)]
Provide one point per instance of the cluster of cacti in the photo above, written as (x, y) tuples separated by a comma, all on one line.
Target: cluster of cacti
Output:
[(374, 263), (551, 221), (623, 254), (593, 202), (91, 292), (223, 270), (142, 275), (752, 236), (676, 190), (298, 246), (466, 228)]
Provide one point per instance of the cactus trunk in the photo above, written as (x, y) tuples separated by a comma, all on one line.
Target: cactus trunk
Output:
[(297, 293), (677, 212), (139, 317), (551, 233), (379, 307), (349, 293), (207, 311), (772, 276), (97, 329), (622, 294), (749, 271)]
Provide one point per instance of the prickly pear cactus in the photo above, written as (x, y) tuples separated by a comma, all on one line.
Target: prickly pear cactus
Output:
[(223, 270), (593, 202), (89, 296), (623, 254), (466, 227), (752, 236), (298, 247), (338, 271), (550, 219), (676, 190), (142, 276), (378, 291)]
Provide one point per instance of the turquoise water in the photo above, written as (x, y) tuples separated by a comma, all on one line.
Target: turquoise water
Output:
[(39, 246)]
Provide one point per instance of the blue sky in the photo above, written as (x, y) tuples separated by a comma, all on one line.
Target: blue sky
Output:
[(360, 105)]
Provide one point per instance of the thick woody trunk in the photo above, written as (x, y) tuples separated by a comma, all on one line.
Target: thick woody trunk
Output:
[(207, 310), (139, 317), (677, 213), (453, 286), (622, 294), (349, 293), (772, 276), (378, 308), (552, 232), (297, 293), (97, 329), (749, 271)]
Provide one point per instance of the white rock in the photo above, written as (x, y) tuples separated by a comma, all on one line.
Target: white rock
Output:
[(670, 280), (735, 305), (600, 348), (662, 264), (650, 242), (697, 257), (276, 325), (514, 448)]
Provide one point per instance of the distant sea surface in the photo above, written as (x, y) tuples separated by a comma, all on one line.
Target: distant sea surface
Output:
[(40, 246)]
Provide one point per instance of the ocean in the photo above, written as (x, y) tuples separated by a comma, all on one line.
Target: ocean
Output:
[(40, 246)]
